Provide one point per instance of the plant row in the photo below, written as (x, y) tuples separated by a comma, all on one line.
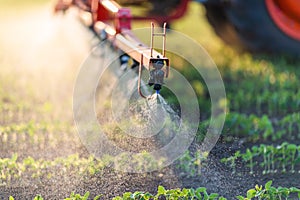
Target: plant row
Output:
[(32, 127), (162, 193), (268, 158), (268, 102), (261, 88), (268, 192), (12, 169), (190, 164), (24, 112), (30, 134), (256, 128)]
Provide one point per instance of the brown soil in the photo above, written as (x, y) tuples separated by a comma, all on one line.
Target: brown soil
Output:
[(52, 45)]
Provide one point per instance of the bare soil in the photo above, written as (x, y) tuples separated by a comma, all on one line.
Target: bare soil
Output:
[(49, 53)]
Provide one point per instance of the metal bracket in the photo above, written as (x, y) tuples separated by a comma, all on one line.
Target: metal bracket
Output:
[(163, 34), (140, 78), (158, 75)]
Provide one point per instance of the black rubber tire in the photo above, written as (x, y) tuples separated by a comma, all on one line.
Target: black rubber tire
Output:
[(247, 25)]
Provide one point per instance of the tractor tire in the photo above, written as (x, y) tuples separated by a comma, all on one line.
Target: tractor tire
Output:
[(248, 25)]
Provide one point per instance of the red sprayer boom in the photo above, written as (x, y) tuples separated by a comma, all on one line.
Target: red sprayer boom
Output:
[(109, 21)]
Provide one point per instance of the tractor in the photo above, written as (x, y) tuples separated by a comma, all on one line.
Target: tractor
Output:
[(257, 26)]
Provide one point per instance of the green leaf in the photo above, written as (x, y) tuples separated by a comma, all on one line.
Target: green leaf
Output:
[(198, 194), (201, 189), (205, 194), (272, 190), (38, 197), (97, 197), (126, 195), (258, 188), (148, 195), (268, 185), (224, 160), (294, 189), (291, 147), (184, 192), (161, 190), (86, 196), (240, 198), (117, 198), (251, 193), (213, 196), (14, 157), (192, 192)]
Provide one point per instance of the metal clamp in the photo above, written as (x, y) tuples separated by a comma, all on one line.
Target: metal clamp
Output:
[(140, 78)]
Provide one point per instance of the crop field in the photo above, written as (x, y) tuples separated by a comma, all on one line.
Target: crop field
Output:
[(42, 157)]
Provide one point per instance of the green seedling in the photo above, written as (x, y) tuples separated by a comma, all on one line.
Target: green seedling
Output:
[(268, 192), (232, 161), (283, 159), (172, 194), (191, 164), (291, 151), (286, 156), (74, 196)]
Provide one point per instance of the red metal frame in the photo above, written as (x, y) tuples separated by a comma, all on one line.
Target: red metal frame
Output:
[(123, 20), (101, 13), (104, 13)]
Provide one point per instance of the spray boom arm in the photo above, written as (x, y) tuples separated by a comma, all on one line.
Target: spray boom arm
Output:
[(100, 14)]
